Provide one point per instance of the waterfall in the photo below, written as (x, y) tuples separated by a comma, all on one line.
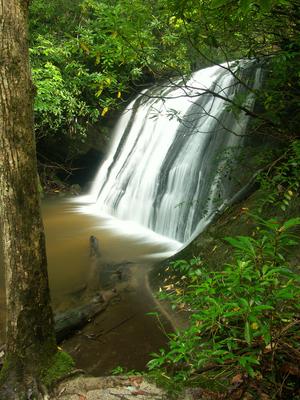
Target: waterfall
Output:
[(174, 147)]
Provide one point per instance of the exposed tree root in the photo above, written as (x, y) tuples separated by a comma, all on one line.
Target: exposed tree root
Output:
[(22, 388)]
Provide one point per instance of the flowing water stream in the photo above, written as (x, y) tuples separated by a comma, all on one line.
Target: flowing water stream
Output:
[(174, 158)]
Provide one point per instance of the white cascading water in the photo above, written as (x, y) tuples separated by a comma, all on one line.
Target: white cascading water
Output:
[(165, 169)]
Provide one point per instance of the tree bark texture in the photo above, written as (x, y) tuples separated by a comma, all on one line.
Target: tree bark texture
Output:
[(29, 328)]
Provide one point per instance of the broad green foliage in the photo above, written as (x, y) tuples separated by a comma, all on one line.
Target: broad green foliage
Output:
[(242, 318), (90, 56)]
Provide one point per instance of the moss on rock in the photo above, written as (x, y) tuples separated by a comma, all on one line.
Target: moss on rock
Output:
[(4, 371), (60, 365)]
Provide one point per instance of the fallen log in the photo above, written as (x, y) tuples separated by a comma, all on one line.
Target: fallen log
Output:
[(68, 322)]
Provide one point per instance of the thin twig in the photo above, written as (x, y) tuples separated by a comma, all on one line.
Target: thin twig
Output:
[(114, 327)]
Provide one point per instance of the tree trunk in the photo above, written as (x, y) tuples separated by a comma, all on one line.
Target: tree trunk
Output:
[(30, 331)]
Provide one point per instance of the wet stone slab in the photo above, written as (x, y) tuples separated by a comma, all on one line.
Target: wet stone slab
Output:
[(108, 388)]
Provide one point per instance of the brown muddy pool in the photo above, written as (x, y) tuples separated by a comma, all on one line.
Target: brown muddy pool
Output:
[(122, 335)]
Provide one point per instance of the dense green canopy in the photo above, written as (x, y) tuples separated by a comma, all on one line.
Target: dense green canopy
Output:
[(88, 56)]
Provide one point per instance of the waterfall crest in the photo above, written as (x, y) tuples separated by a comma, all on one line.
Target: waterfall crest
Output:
[(166, 168)]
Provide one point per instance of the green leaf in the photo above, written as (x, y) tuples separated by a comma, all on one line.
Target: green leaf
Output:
[(248, 333), (245, 4), (219, 3), (262, 308), (152, 314), (266, 5), (244, 243), (291, 222), (244, 303)]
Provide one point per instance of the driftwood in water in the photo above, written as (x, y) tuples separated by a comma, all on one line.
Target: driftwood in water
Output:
[(68, 322), (94, 247), (93, 281)]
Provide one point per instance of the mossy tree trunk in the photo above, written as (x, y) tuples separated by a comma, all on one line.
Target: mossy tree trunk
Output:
[(30, 330)]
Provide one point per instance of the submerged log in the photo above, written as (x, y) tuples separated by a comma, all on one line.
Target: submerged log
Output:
[(68, 322)]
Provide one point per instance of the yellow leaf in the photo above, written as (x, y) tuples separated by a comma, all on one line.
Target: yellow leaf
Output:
[(84, 47), (258, 375), (254, 326), (290, 193), (119, 95), (169, 287), (104, 111), (178, 23), (268, 348), (99, 92)]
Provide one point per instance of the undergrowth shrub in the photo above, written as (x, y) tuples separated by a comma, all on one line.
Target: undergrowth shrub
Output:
[(244, 321)]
